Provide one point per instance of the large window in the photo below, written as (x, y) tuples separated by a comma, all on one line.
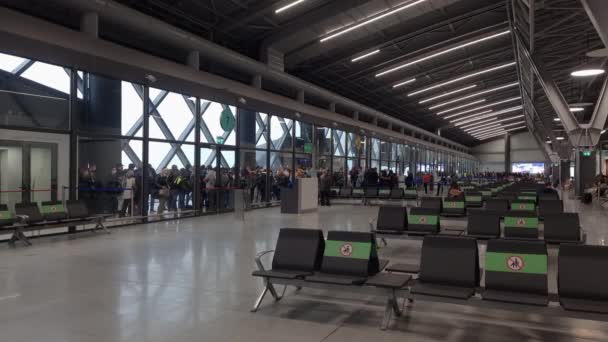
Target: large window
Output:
[(33, 94)]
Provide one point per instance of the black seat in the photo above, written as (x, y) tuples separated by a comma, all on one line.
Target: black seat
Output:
[(357, 193), (371, 192), (483, 225), (298, 253), (422, 221), (516, 272), (349, 259), (523, 205), (384, 193), (453, 206), (527, 197), (392, 220), (449, 267), (549, 207), (53, 211), (521, 225), (410, 194), (345, 192), (548, 196), (6, 217), (497, 206), (396, 194), (564, 227), (77, 209), (433, 203), (582, 280), (30, 210), (473, 199)]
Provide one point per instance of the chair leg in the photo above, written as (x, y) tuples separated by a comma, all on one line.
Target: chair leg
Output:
[(258, 302), (388, 311)]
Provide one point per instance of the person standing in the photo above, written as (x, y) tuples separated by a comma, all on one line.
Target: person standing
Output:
[(325, 187), (426, 179), (210, 181), (128, 185)]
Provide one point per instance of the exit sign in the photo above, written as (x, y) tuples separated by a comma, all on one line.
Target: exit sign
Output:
[(587, 153)]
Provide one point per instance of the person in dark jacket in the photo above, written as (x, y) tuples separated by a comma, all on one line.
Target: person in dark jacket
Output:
[(325, 187)]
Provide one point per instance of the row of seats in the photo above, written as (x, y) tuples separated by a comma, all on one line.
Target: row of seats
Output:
[(515, 272), (375, 193), (50, 214), (482, 224)]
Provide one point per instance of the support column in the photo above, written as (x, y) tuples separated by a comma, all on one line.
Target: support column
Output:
[(300, 96), (584, 173), (256, 81), (193, 61), (356, 115), (507, 152)]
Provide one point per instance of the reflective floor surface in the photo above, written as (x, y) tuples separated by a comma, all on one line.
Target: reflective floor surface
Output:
[(190, 280)]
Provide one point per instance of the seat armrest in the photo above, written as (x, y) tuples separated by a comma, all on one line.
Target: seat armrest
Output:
[(22, 218), (258, 259), (372, 224)]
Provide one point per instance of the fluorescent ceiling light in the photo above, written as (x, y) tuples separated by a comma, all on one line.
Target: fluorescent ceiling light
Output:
[(437, 54), (286, 7), (487, 131), (371, 20), (404, 83), (602, 132), (474, 127), (476, 124), (587, 72), (484, 129), (461, 106), (492, 136), (447, 94), (548, 141), (469, 119), (480, 113), (490, 126), (473, 95), (559, 138), (356, 59), (515, 129), (461, 78), (557, 119), (482, 107), (576, 109), (514, 123)]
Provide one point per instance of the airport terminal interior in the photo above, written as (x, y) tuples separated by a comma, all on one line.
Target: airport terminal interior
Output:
[(303, 170)]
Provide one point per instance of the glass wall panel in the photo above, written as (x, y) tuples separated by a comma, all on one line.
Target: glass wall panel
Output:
[(172, 116), (33, 94), (323, 141), (304, 143), (218, 123), (280, 167), (281, 131), (110, 175), (253, 174), (339, 142), (303, 165), (253, 129)]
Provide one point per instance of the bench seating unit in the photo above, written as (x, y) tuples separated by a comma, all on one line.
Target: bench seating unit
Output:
[(449, 267), (564, 227), (396, 194), (31, 211), (423, 221), (527, 197), (6, 217), (473, 199), (410, 194), (516, 272), (521, 205), (384, 193), (497, 206), (346, 261), (548, 196), (521, 225), (453, 207), (582, 281), (550, 207), (53, 211), (357, 193), (431, 203), (371, 192), (391, 220), (483, 225), (345, 192), (486, 194)]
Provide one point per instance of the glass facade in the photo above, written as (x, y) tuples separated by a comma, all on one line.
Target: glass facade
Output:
[(185, 152)]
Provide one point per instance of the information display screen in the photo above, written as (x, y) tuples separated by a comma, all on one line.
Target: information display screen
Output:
[(528, 168)]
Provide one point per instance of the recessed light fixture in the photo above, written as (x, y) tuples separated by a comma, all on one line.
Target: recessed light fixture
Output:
[(479, 113), (485, 71), (401, 84), (473, 95), (576, 109), (288, 6), (559, 138), (557, 119), (380, 16), (587, 72), (492, 136), (602, 132), (447, 93), (482, 107), (356, 59), (548, 141), (437, 54), (492, 120), (513, 124), (483, 129)]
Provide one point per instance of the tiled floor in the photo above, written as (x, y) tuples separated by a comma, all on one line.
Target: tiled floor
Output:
[(190, 281)]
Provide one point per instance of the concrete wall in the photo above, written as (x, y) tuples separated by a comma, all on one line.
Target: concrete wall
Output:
[(523, 149)]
